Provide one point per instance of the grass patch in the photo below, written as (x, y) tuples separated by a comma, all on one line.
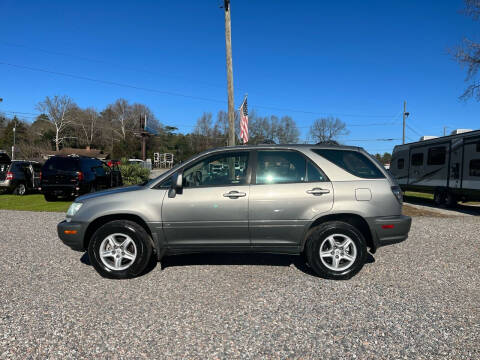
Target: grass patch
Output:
[(413, 211), (34, 202), (419, 195)]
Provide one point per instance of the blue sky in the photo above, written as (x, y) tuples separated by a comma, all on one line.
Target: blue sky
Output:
[(356, 60)]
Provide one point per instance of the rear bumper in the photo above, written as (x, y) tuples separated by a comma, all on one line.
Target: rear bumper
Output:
[(6, 184), (72, 240), (65, 189), (389, 229)]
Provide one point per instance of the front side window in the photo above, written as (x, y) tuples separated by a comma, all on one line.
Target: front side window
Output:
[(400, 164), (436, 155), (417, 159), (474, 167), (281, 167), (353, 162), (218, 170)]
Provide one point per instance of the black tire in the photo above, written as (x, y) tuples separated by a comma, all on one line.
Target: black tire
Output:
[(316, 237), (439, 197), (20, 189), (50, 197), (140, 237), (450, 199)]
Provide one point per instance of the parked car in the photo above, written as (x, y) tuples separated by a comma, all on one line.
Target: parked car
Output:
[(71, 176), (19, 176), (330, 203)]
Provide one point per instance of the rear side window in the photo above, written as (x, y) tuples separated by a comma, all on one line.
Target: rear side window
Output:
[(352, 161), (61, 163), (417, 159), (436, 155), (474, 167), (400, 164), (277, 167)]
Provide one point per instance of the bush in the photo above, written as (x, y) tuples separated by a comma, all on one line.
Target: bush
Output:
[(133, 174)]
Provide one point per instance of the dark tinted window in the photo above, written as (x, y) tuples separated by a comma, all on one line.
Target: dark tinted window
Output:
[(417, 159), (400, 163), (436, 155), (474, 167), (352, 161), (478, 146), (313, 174), (62, 163), (277, 167), (4, 158)]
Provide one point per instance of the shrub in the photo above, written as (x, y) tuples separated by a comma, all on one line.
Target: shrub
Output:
[(133, 174)]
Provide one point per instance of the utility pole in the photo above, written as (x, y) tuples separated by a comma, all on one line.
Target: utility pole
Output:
[(14, 131), (445, 130), (405, 115), (228, 48)]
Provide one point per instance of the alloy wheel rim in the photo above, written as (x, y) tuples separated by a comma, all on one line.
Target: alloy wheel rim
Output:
[(21, 189), (118, 251), (338, 252)]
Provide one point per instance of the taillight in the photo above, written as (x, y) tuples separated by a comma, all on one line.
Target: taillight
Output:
[(40, 176), (9, 176), (397, 191), (79, 175)]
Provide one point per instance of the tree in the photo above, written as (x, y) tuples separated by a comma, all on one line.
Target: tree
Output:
[(468, 54), (287, 131), (203, 132), (87, 120), (122, 117), (58, 110), (327, 129)]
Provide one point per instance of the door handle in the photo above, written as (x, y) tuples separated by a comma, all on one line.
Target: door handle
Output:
[(318, 191), (234, 194)]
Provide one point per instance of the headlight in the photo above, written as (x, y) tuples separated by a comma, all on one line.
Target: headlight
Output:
[(73, 209)]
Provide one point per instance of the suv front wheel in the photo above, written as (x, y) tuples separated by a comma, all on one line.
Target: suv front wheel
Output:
[(335, 250), (120, 249)]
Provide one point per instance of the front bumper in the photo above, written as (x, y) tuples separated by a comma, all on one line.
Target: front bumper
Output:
[(389, 229), (73, 239)]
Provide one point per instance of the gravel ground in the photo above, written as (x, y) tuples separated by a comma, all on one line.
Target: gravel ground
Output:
[(418, 299)]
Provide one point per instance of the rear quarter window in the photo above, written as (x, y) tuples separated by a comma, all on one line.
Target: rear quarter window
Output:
[(64, 164), (353, 162)]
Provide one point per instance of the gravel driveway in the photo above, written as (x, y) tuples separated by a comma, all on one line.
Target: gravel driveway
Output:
[(417, 299)]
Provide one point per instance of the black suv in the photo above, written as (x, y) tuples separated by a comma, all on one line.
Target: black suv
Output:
[(18, 176), (71, 176)]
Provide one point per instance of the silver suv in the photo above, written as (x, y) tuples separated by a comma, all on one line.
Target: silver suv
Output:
[(329, 203)]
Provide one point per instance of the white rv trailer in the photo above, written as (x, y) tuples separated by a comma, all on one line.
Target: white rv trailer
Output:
[(447, 166)]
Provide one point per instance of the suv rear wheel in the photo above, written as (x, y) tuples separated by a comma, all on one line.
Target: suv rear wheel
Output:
[(335, 250), (120, 249), (20, 189)]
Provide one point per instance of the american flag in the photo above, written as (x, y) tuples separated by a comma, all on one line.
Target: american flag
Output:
[(244, 121)]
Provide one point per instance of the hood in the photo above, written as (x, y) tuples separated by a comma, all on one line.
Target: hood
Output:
[(109, 192)]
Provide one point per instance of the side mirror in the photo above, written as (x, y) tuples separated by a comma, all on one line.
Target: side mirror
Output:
[(177, 185)]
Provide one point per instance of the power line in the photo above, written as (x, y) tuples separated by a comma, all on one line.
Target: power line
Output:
[(107, 62), (171, 93)]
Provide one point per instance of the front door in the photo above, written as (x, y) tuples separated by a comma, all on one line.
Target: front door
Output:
[(288, 193), (212, 209)]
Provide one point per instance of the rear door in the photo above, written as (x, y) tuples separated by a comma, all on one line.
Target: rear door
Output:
[(287, 192)]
